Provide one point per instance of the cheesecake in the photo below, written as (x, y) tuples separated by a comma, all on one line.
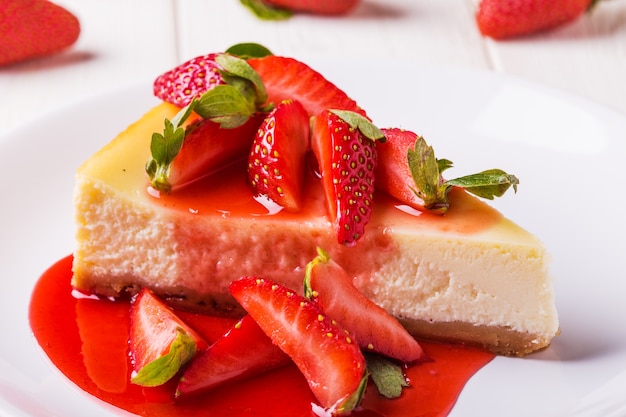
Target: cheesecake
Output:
[(470, 276)]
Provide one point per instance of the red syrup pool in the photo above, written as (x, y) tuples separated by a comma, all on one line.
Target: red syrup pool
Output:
[(87, 340)]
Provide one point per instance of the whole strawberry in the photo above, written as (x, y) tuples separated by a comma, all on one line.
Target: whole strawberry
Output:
[(502, 19), (34, 28), (328, 7)]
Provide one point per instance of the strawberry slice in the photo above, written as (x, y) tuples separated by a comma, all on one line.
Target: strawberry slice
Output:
[(329, 286), (188, 80), (343, 143), (35, 28), (243, 352), (206, 148), (286, 78), (332, 364), (277, 160), (393, 174), (160, 342)]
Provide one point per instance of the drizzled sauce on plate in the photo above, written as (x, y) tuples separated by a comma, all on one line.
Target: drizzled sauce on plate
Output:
[(87, 340)]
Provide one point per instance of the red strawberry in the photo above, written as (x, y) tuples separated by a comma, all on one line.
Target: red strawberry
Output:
[(501, 19), (160, 342), (329, 7), (189, 80), (330, 287), (346, 159), (393, 174), (206, 148), (287, 78), (34, 28), (277, 159), (243, 352), (332, 364)]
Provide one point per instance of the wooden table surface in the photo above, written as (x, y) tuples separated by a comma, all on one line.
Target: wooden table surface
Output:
[(129, 42)]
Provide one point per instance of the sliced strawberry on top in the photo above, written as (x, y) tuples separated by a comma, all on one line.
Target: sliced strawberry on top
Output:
[(243, 352), (160, 342), (277, 159), (343, 143), (188, 80), (332, 364), (287, 78), (205, 148), (393, 174), (332, 289)]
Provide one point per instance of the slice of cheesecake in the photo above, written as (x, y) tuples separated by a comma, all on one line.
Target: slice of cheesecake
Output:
[(470, 276)]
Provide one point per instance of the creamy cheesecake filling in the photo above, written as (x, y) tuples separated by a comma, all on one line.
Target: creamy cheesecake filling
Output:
[(470, 276)]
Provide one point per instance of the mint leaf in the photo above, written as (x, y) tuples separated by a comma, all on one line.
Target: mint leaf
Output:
[(235, 67), (430, 187), (161, 370), (486, 184), (248, 50), (426, 173), (226, 105), (166, 146), (358, 121), (266, 12), (386, 375)]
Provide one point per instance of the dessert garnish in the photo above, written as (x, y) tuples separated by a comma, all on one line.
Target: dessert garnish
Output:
[(409, 171), (235, 93)]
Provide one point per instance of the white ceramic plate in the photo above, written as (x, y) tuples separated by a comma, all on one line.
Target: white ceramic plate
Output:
[(568, 154)]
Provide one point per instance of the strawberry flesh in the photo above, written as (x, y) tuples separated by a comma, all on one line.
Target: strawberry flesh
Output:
[(153, 328), (243, 352), (287, 78), (208, 148), (393, 174), (346, 160), (277, 159), (332, 364), (374, 329)]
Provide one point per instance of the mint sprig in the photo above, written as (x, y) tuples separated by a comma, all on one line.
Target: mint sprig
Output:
[(433, 190), (161, 370), (165, 146), (386, 375), (230, 104)]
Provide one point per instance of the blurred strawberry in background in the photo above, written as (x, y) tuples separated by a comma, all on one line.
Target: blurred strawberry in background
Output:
[(34, 28), (503, 19)]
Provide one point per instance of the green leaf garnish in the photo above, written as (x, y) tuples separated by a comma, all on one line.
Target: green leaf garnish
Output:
[(237, 67), (165, 146), (265, 12), (246, 50), (161, 370), (386, 375), (433, 190), (357, 121), (226, 105), (426, 174), (487, 184)]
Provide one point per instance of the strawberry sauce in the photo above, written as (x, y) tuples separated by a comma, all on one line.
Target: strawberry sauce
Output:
[(87, 339)]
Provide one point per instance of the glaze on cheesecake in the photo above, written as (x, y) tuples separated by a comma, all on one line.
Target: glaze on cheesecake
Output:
[(471, 276)]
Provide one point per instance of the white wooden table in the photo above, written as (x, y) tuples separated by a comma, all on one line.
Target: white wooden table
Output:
[(127, 42)]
